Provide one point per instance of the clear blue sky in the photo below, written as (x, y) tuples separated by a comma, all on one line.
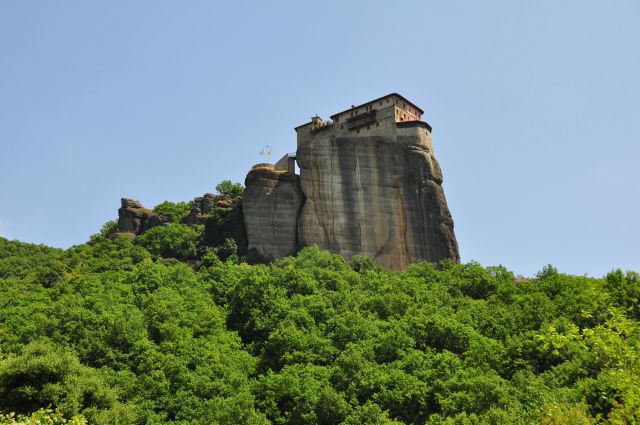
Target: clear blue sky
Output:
[(535, 108)]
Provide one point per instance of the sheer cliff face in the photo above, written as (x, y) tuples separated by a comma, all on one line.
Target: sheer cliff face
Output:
[(271, 204), (375, 192)]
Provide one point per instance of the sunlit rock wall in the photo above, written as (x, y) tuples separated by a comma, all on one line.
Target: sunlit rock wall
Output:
[(375, 192)]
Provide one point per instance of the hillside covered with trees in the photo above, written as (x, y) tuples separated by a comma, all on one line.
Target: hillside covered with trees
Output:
[(165, 328)]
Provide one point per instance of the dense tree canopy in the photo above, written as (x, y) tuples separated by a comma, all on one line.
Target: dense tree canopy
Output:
[(159, 329), (174, 211)]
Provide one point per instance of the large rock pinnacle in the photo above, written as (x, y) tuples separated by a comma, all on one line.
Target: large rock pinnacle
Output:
[(375, 196), (370, 184)]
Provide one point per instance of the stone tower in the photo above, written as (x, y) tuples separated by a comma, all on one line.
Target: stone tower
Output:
[(369, 184)]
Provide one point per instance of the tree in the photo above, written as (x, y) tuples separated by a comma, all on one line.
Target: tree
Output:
[(171, 241), (109, 228), (47, 375), (176, 212), (227, 188)]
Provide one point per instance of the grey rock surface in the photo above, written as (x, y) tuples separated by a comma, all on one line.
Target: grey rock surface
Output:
[(375, 195), (202, 206), (136, 219), (271, 204)]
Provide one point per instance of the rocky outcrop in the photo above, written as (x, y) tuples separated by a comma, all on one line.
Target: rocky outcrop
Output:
[(369, 184), (136, 219), (369, 188), (376, 196), (221, 216), (202, 206), (271, 202)]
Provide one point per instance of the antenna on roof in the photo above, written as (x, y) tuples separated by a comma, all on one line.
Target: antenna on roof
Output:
[(266, 151)]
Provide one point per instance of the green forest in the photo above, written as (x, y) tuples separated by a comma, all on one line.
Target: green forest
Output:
[(177, 326)]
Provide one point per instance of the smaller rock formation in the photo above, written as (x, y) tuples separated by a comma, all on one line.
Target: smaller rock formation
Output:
[(136, 219), (271, 204), (221, 216), (202, 206)]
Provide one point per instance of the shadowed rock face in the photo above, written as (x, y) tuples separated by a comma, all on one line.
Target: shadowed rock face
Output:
[(202, 206), (136, 219), (271, 203), (375, 196)]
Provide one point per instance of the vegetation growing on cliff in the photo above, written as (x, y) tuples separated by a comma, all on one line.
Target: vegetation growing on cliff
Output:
[(230, 189), (124, 331), (175, 211)]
